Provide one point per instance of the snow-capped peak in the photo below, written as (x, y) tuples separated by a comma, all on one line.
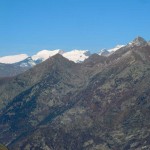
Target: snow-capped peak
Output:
[(13, 59), (45, 54), (115, 48), (77, 55), (28, 62), (103, 52), (74, 55), (107, 52)]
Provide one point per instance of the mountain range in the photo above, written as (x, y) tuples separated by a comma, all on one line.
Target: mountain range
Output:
[(101, 103), (22, 62)]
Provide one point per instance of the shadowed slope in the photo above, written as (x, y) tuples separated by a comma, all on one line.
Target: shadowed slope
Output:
[(104, 105)]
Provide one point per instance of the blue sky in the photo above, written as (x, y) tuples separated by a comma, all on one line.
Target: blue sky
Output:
[(27, 26)]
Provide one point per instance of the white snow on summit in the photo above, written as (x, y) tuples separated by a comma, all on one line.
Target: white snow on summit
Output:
[(45, 54), (115, 48), (27, 62), (77, 55), (74, 55), (103, 51), (107, 52), (13, 59)]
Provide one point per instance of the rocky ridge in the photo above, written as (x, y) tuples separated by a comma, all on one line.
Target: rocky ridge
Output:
[(102, 103)]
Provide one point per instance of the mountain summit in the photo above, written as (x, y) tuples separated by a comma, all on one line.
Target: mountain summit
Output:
[(139, 41), (45, 54), (13, 59)]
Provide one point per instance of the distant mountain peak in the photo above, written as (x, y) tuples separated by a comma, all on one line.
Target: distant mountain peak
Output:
[(103, 52), (45, 54), (107, 52), (138, 41), (77, 55), (28, 62), (94, 59), (13, 59), (58, 57), (116, 48)]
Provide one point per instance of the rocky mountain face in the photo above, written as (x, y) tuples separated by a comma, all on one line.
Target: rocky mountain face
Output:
[(139, 41), (100, 104)]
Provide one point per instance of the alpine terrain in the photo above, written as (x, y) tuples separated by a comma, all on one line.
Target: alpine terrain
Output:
[(17, 64), (60, 102)]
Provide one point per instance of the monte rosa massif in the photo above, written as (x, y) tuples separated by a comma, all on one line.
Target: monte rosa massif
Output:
[(16, 64), (74, 55)]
